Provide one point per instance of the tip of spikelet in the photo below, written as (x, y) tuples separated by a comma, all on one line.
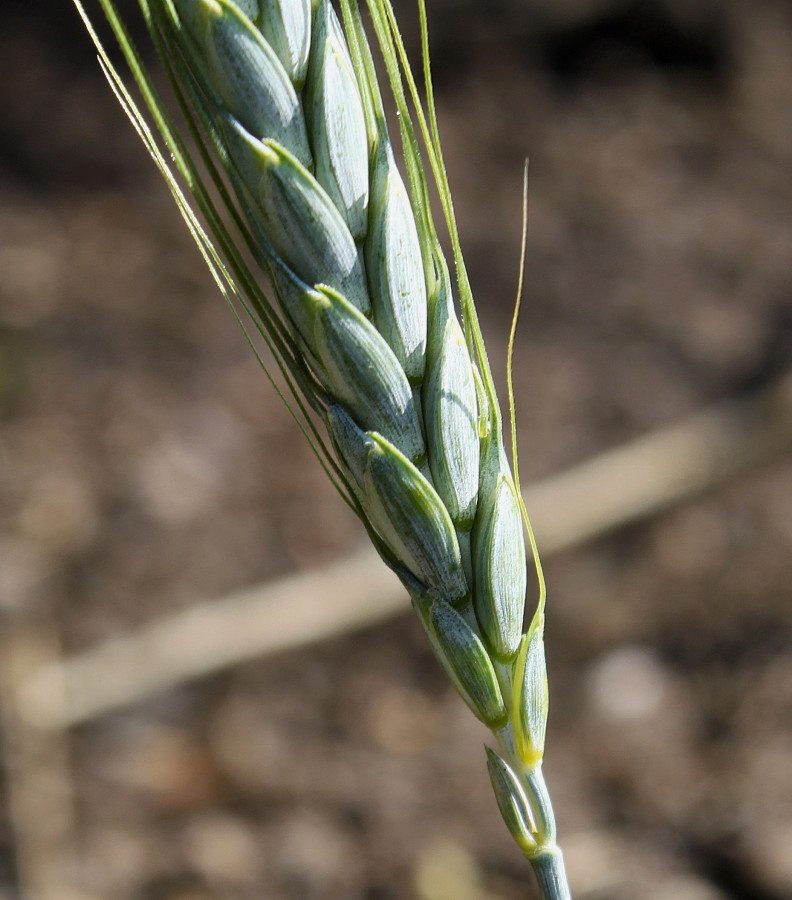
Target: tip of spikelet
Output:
[(197, 14)]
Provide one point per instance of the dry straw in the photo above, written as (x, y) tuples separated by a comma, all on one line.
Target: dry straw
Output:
[(291, 166)]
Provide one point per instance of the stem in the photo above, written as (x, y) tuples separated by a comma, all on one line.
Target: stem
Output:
[(545, 856), (541, 806), (548, 866), (548, 861)]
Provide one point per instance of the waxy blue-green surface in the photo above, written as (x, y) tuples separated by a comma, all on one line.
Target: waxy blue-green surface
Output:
[(413, 521), (530, 698), (368, 335), (394, 267), (465, 661), (511, 800), (364, 375), (499, 556), (286, 26), (451, 416), (246, 74), (302, 223), (334, 112)]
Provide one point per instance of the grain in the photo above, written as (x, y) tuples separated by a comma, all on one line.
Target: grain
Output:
[(364, 321)]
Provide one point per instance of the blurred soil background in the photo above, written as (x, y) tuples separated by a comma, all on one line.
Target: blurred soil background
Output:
[(146, 465)]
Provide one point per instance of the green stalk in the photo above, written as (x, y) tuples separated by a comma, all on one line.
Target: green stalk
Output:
[(550, 873)]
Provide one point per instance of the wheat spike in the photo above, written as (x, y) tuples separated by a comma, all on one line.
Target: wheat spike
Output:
[(365, 320)]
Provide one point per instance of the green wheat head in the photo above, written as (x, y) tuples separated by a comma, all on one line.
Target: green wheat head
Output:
[(278, 141)]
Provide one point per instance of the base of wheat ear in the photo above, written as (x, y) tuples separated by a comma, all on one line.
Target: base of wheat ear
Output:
[(279, 140)]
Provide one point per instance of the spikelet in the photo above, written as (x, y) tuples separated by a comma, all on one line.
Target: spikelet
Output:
[(364, 323)]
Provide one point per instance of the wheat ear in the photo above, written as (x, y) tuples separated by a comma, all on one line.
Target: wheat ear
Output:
[(365, 329)]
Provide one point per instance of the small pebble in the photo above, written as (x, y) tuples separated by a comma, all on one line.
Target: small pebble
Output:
[(628, 683)]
